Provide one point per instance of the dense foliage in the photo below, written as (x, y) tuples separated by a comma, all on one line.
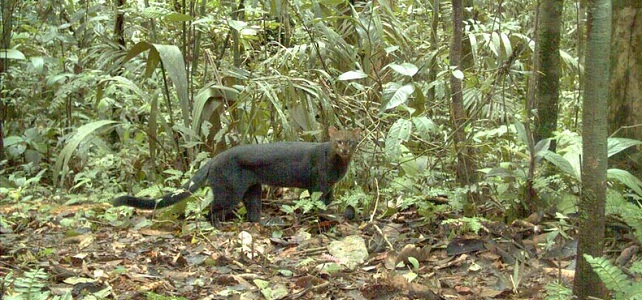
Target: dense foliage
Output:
[(87, 118), (87, 115)]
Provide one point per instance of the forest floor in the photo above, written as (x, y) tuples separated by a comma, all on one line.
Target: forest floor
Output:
[(401, 256)]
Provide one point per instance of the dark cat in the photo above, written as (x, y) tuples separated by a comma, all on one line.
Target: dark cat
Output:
[(237, 174)]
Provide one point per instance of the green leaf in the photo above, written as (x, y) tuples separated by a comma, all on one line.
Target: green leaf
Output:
[(12, 140), (570, 61), (409, 164), (81, 134), (352, 75), (153, 60), (625, 178), (417, 104), (261, 284), (541, 147), (562, 163), (616, 145), (400, 96), (391, 49), (424, 126), (249, 32), (237, 25), (11, 54), (495, 43), (58, 78), (406, 69), (269, 92), (207, 101), (38, 63), (557, 291), (178, 17), (190, 136), (506, 42), (204, 20), (521, 132), (399, 132), (414, 262), (173, 63), (474, 45), (136, 50)]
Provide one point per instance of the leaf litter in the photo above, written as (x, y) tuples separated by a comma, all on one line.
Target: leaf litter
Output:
[(398, 257)]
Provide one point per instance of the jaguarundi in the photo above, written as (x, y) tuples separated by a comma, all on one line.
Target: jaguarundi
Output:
[(236, 174)]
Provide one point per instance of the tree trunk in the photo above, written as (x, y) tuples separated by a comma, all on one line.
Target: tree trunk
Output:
[(548, 70), (119, 26), (467, 58), (434, 46), (465, 170), (8, 7), (594, 149), (625, 95)]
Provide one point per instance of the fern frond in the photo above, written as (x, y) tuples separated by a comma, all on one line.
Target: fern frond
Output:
[(614, 279), (557, 291), (633, 292), (636, 267), (474, 223), (31, 283), (618, 204)]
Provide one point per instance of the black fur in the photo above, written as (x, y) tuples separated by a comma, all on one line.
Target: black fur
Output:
[(170, 199), (237, 174)]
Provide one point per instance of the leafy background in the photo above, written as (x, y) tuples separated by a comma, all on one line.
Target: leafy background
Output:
[(91, 112)]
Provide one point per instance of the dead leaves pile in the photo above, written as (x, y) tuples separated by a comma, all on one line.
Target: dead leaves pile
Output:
[(398, 258)]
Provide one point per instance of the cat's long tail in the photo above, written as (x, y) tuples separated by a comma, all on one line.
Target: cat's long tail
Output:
[(169, 199)]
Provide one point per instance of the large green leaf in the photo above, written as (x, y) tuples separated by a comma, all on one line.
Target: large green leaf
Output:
[(175, 66), (237, 25), (400, 96), (173, 63), (562, 163), (541, 147), (521, 132), (38, 63), (616, 145), (424, 126), (353, 75), (406, 69), (81, 134), (625, 178), (12, 54), (200, 113), (137, 49), (15, 145), (399, 132), (570, 62), (12, 140)]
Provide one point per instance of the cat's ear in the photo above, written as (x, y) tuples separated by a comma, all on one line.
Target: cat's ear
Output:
[(332, 131), (357, 133)]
